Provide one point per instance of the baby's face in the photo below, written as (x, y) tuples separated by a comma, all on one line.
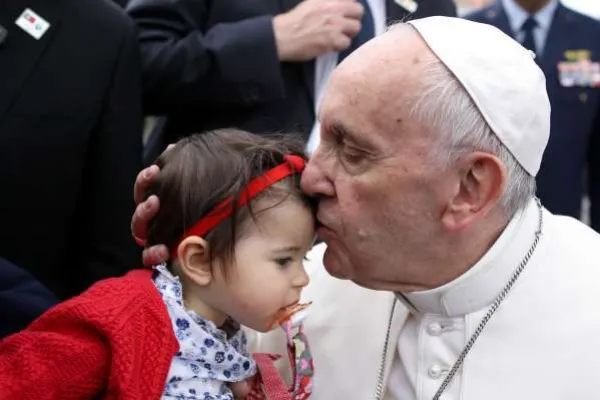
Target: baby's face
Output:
[(268, 274)]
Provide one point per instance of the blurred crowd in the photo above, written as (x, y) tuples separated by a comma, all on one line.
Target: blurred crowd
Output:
[(91, 91)]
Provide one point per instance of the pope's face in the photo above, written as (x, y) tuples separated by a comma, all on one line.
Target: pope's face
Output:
[(379, 208)]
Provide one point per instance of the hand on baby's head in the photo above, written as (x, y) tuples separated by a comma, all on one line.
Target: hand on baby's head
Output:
[(145, 211)]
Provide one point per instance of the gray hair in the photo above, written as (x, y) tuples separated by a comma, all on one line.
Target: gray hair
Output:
[(447, 109)]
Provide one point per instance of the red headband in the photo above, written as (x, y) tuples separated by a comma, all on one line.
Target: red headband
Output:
[(222, 211)]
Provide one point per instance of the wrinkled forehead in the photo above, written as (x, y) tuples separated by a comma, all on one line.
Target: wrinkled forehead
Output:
[(372, 91)]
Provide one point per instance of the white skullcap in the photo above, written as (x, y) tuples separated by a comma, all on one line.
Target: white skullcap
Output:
[(502, 78)]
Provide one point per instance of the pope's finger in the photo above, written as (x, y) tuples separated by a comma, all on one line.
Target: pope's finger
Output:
[(144, 212), (155, 255), (143, 181)]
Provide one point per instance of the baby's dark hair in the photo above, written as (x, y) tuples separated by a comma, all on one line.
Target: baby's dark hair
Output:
[(203, 170)]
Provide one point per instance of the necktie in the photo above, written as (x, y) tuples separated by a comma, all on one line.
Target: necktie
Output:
[(367, 31), (527, 28)]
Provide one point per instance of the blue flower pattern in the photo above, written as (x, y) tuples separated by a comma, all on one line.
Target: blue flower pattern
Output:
[(206, 359)]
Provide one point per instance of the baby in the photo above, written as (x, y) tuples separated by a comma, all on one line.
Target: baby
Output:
[(238, 227)]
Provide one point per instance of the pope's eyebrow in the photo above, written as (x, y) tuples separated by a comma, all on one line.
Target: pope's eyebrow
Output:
[(342, 133), (339, 131)]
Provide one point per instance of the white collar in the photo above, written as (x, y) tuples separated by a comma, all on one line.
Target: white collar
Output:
[(481, 284)]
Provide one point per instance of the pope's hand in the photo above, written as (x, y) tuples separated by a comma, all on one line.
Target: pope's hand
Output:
[(144, 212)]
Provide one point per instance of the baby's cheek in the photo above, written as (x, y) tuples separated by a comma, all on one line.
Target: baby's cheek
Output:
[(257, 303), (254, 306)]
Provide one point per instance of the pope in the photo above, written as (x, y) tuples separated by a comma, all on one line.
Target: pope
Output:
[(444, 277)]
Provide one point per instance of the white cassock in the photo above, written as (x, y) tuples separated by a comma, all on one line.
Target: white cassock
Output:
[(542, 343)]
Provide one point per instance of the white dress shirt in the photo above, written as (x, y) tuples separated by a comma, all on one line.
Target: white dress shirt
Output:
[(326, 63), (517, 17)]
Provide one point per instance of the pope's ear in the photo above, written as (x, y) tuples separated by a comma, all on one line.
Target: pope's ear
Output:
[(194, 261), (482, 179)]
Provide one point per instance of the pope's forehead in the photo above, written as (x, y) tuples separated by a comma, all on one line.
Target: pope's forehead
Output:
[(384, 64), (378, 77)]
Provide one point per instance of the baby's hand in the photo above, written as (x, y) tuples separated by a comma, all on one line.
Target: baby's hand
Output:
[(241, 389)]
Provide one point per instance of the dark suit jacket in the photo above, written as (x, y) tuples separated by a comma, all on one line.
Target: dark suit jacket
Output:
[(22, 298), (575, 124), (70, 142), (211, 64)]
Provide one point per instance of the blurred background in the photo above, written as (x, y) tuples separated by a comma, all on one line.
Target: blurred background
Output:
[(589, 7)]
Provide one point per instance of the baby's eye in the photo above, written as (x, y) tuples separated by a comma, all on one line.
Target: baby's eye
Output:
[(284, 262)]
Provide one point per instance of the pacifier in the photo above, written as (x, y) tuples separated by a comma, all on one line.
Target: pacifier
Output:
[(292, 317), (290, 320)]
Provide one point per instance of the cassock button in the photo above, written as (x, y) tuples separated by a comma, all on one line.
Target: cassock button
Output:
[(435, 371), (434, 329)]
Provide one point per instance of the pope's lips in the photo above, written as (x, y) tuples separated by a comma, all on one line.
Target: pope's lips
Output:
[(324, 230), (323, 226)]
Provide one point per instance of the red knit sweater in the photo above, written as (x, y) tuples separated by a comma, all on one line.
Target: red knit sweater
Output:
[(115, 341)]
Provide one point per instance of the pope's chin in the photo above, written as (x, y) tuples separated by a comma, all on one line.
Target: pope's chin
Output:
[(335, 260), (335, 265)]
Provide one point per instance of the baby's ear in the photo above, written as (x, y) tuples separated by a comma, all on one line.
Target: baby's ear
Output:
[(194, 261)]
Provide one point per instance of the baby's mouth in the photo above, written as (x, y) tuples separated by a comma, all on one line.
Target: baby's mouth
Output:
[(287, 312)]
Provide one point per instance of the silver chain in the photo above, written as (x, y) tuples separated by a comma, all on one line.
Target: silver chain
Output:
[(381, 370), (493, 307)]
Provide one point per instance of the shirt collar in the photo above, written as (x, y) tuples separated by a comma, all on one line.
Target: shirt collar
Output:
[(517, 15), (481, 284)]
